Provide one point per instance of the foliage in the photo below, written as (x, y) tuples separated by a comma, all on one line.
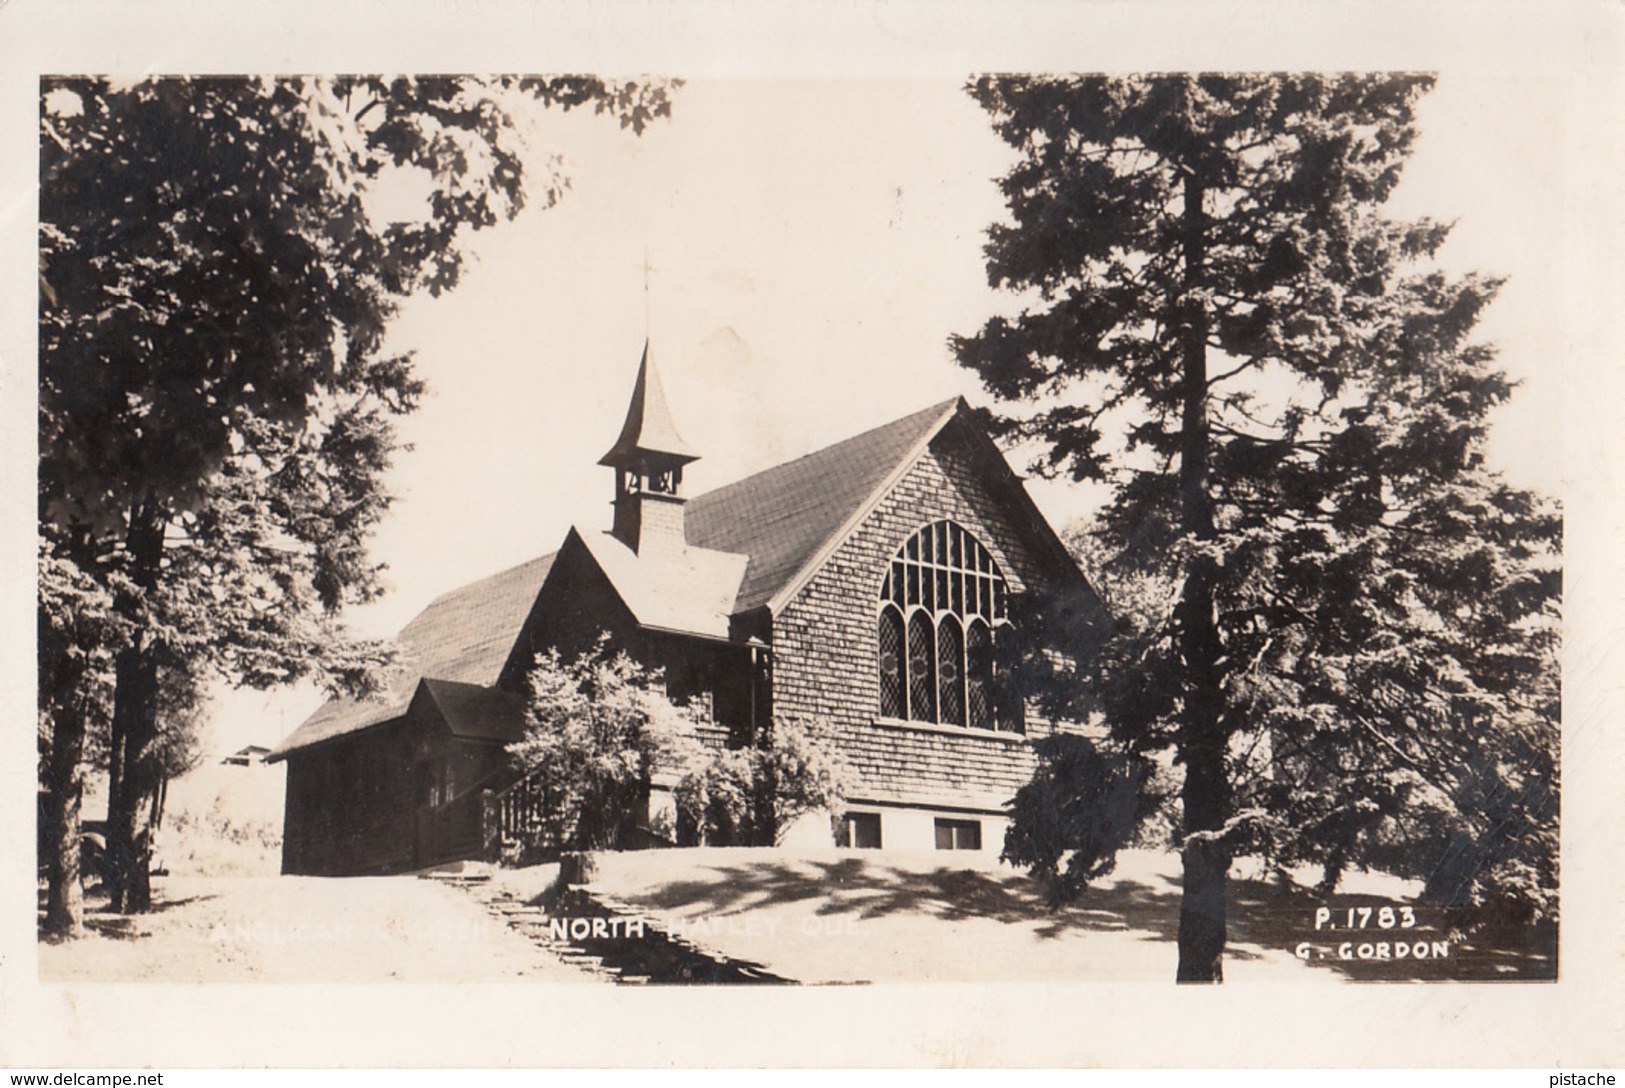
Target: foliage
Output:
[(1132, 596), (597, 729), (215, 842), (752, 795), (1085, 802), (217, 274), (78, 633), (1282, 392), (212, 251), (717, 801)]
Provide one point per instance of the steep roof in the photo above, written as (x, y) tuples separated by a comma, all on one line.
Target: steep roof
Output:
[(774, 524), (463, 636), (649, 432), (783, 516), (478, 711), (689, 590)]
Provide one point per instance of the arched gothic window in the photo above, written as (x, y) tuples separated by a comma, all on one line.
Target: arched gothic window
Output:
[(942, 629)]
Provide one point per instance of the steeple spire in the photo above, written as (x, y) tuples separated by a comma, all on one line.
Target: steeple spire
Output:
[(648, 435), (648, 460)]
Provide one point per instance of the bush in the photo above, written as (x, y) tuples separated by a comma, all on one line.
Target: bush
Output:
[(751, 796), (596, 729), (1085, 802), (214, 842)]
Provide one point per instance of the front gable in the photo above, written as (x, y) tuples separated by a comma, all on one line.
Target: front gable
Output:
[(574, 606), (825, 639), (956, 474)]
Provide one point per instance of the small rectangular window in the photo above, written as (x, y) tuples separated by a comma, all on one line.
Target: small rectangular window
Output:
[(859, 831), (959, 834), (432, 782)]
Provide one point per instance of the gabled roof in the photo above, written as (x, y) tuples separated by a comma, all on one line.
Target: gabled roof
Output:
[(688, 590), (477, 711), (463, 636), (750, 544), (649, 433), (783, 517)]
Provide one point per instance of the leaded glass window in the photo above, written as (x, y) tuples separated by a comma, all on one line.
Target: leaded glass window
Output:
[(950, 671), (893, 703), (922, 686), (978, 675), (944, 633)]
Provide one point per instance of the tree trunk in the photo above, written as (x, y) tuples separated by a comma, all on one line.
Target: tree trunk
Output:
[(64, 898), (765, 825), (134, 725), (129, 845), (577, 867), (160, 795), (1202, 903), (1205, 794), (1331, 872)]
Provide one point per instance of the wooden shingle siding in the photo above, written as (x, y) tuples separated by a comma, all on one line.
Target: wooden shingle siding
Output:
[(808, 545), (349, 803), (353, 805), (825, 646)]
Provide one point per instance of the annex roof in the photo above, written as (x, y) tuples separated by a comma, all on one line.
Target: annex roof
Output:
[(689, 590), (463, 636), (477, 711)]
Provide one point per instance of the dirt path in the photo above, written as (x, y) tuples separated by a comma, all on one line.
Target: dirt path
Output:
[(302, 929)]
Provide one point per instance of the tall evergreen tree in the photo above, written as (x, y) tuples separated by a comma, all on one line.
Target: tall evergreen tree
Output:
[(1204, 269), (215, 397)]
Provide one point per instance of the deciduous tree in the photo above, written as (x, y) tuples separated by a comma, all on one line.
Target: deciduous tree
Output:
[(753, 794), (217, 276), (597, 729)]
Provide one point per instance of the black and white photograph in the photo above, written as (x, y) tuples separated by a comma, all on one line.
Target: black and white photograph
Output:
[(814, 539)]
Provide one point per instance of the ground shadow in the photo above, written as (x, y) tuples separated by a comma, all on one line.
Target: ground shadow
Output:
[(1357, 941), (1264, 915), (866, 889), (101, 919)]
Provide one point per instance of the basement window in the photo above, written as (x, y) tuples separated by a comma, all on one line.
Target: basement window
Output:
[(959, 834), (859, 831)]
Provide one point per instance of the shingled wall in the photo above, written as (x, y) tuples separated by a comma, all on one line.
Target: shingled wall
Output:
[(351, 806), (825, 648)]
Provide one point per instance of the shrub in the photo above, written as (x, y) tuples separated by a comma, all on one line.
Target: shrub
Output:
[(596, 729), (751, 796), (1085, 802)]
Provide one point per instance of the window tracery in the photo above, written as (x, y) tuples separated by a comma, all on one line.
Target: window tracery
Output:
[(942, 624)]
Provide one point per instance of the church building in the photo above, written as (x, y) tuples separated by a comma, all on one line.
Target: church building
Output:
[(874, 585)]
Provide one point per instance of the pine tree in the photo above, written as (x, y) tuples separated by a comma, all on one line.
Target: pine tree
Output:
[(1218, 321)]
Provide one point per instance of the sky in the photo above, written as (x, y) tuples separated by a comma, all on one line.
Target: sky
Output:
[(797, 254)]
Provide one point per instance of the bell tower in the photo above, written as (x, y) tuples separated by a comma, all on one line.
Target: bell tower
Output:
[(648, 460)]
